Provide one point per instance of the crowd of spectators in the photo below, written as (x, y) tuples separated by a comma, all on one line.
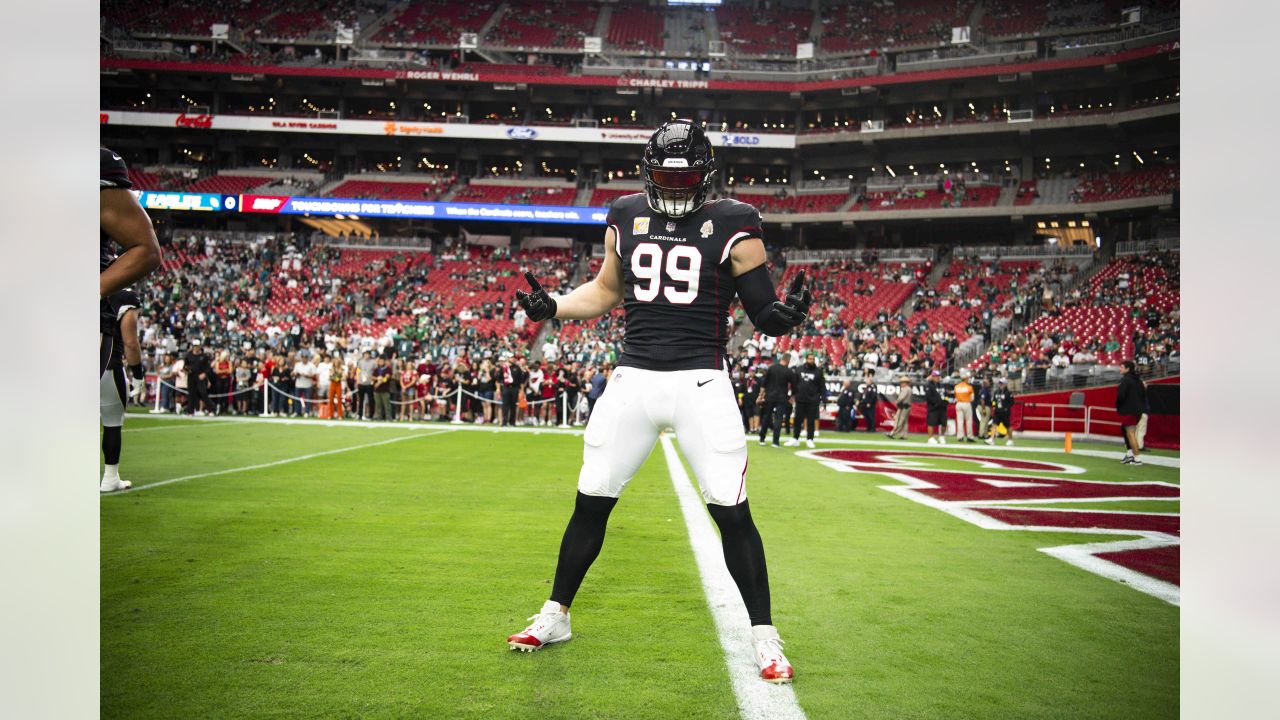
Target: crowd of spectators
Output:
[(280, 295), (1128, 310), (224, 316)]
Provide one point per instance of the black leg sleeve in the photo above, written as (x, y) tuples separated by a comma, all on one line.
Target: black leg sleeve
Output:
[(111, 445), (744, 556), (583, 538)]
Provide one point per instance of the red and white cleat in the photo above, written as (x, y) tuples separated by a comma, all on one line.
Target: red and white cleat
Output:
[(548, 626), (774, 666)]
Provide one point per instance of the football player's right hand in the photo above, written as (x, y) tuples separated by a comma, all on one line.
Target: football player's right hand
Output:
[(795, 308), (538, 305)]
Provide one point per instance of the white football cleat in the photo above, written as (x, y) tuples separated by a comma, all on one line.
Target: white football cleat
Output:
[(942, 440), (1008, 442), (792, 443), (809, 444), (774, 666), (989, 441), (932, 440), (548, 626), (113, 484)]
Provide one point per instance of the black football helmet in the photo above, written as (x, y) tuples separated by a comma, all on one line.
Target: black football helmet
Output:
[(678, 164)]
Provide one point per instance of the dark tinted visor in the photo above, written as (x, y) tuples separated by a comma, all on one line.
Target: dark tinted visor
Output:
[(676, 179)]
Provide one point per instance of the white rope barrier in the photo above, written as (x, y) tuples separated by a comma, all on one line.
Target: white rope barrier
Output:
[(187, 390), (455, 395)]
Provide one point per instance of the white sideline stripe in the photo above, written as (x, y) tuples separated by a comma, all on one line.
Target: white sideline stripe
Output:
[(757, 699), (178, 427), (286, 461), (908, 445)]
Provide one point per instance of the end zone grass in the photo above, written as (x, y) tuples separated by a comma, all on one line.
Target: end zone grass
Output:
[(383, 582)]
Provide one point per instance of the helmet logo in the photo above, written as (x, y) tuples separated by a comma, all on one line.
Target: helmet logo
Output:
[(706, 229), (640, 226), (675, 162)]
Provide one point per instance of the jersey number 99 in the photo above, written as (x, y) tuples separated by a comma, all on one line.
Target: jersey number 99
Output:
[(683, 267)]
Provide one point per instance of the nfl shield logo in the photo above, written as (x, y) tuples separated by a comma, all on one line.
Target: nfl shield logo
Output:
[(671, 227)]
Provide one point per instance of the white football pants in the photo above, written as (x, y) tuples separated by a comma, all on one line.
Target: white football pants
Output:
[(699, 405)]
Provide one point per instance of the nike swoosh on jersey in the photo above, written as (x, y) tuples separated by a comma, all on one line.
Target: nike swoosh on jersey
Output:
[(704, 382)]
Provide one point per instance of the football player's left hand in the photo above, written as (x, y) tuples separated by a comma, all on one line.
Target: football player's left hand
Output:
[(538, 305), (796, 307)]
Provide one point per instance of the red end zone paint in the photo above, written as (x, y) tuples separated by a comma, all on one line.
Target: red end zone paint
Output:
[(1143, 553), (1161, 562), (1167, 524)]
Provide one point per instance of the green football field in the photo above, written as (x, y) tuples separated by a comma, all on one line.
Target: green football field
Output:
[(314, 570)]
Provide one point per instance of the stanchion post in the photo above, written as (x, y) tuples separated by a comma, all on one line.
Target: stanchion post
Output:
[(457, 408), (266, 397), (158, 381), (1066, 442)]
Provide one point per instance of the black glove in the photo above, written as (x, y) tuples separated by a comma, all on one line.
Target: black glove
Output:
[(136, 371), (538, 305), (795, 309)]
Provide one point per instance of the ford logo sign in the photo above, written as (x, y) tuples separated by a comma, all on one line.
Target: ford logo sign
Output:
[(522, 133)]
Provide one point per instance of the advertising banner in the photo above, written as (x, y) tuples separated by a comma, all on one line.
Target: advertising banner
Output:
[(285, 205), (186, 201), (398, 128)]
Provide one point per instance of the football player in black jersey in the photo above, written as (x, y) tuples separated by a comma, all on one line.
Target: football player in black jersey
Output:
[(675, 262), (115, 387), (124, 224)]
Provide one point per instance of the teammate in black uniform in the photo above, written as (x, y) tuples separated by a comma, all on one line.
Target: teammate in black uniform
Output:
[(114, 387), (123, 223), (675, 262)]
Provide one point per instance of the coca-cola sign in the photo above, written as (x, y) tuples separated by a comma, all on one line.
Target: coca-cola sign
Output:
[(203, 122)]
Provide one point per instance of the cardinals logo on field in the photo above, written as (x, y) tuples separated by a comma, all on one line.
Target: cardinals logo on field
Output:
[(1000, 493)]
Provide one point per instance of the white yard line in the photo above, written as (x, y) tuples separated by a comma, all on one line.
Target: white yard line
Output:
[(286, 461), (757, 699)]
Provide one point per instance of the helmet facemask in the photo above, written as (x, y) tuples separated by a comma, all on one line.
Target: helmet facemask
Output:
[(676, 191)]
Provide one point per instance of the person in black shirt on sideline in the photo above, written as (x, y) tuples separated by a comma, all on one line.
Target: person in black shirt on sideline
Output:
[(1002, 403), (198, 372), (811, 392), (1131, 403), (845, 403), (512, 377), (868, 400), (935, 409), (779, 384)]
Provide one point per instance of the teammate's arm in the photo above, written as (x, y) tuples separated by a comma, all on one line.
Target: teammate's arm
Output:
[(132, 348), (759, 296), (589, 300), (124, 220)]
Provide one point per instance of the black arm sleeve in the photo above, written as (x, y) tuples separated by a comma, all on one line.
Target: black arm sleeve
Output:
[(758, 294)]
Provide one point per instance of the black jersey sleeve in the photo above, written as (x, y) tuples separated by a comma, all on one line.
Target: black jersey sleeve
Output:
[(743, 223), (122, 300), (114, 173)]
